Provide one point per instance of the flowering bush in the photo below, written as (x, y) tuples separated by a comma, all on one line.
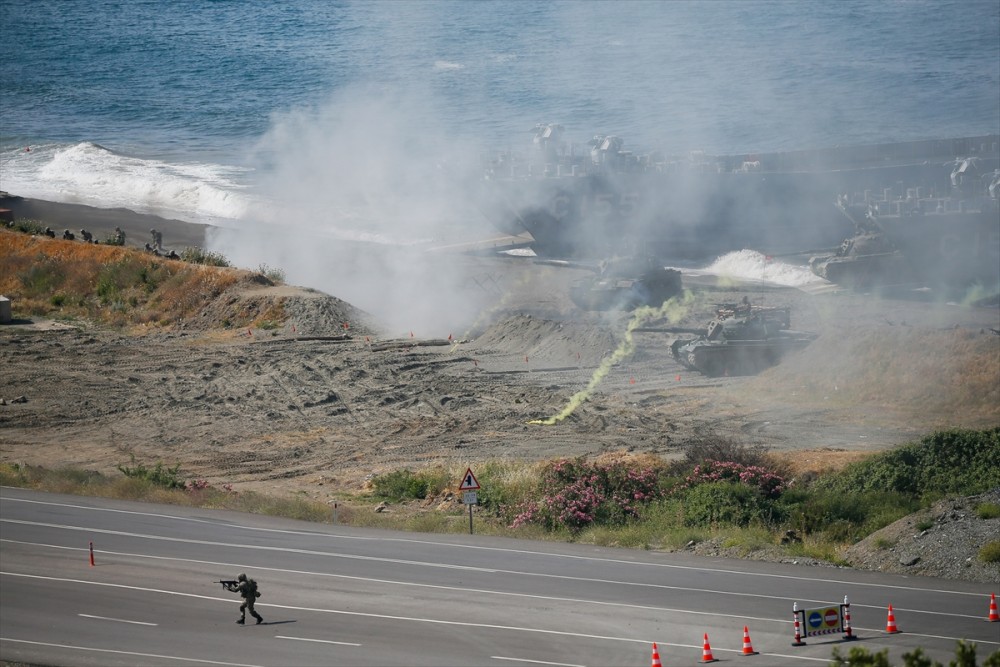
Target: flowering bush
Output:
[(576, 493), (196, 485), (767, 482)]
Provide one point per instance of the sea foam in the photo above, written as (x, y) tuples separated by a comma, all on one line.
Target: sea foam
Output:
[(87, 173)]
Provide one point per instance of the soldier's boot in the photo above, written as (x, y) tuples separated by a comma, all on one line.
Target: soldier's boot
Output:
[(241, 621), (260, 620)]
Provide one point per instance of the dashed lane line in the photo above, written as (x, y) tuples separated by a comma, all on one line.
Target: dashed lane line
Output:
[(117, 620), (411, 619), (119, 652), (422, 563)]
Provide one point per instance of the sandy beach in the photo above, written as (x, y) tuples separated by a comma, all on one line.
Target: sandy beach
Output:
[(101, 222)]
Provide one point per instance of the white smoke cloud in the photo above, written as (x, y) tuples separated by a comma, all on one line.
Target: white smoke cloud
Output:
[(364, 188)]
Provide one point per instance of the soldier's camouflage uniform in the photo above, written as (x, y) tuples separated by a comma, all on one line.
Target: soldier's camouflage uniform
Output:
[(248, 592)]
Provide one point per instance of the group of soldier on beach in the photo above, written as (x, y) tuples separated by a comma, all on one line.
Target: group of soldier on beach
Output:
[(118, 238)]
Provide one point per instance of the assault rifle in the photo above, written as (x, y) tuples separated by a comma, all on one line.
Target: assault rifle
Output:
[(229, 584)]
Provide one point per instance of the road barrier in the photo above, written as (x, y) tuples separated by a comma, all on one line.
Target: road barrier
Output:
[(830, 620)]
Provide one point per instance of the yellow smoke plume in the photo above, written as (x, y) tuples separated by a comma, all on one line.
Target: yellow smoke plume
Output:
[(673, 310)]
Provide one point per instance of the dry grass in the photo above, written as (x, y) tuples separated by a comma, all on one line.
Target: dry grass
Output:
[(109, 284), (948, 374)]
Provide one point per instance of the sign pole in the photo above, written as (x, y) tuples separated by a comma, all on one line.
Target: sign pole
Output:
[(469, 486)]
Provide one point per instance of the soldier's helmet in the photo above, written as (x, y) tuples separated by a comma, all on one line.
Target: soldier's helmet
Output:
[(242, 577)]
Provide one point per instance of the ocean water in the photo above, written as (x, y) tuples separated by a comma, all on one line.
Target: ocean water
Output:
[(365, 119)]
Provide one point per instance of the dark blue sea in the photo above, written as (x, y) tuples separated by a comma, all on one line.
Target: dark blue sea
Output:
[(210, 110)]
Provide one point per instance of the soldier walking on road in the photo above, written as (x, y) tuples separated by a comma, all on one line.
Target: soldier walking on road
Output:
[(247, 588)]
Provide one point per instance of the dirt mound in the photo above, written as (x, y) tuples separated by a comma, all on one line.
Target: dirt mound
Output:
[(942, 541), (293, 310), (546, 341)]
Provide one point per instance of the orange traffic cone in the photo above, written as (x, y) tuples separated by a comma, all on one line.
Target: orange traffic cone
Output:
[(706, 652), (994, 616), (890, 623), (656, 657), (747, 646)]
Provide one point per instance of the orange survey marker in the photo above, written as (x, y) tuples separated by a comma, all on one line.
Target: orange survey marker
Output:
[(994, 616), (747, 646), (706, 652), (890, 623), (656, 657)]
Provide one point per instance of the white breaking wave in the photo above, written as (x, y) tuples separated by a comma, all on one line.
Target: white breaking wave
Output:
[(87, 173), (752, 265)]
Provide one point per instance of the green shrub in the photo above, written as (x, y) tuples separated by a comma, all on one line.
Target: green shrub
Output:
[(199, 256), (727, 503), (158, 475), (29, 226), (965, 656), (273, 274), (990, 553), (883, 543), (988, 510), (948, 462), (505, 484), (43, 277), (848, 516), (399, 485)]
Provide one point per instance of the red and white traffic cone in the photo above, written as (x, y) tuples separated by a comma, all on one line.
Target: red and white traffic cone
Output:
[(890, 623), (706, 652), (747, 646), (994, 616), (656, 657)]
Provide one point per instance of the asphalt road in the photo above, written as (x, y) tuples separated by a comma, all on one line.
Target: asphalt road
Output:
[(334, 595)]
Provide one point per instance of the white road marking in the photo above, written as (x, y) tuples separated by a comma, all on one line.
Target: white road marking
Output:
[(435, 621), (256, 547), (486, 591), (457, 545), (320, 641), (141, 655), (119, 620), (537, 662)]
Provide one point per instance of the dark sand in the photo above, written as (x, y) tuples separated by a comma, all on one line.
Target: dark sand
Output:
[(101, 222)]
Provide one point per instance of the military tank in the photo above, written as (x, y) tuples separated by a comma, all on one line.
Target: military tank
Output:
[(741, 340), (625, 284), (945, 236), (866, 259)]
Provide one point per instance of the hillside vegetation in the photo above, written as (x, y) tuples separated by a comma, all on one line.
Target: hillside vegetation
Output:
[(113, 285)]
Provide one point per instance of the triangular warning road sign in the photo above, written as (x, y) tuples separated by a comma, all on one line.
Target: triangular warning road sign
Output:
[(469, 482)]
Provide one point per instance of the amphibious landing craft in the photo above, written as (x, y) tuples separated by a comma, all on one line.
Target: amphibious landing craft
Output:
[(598, 199)]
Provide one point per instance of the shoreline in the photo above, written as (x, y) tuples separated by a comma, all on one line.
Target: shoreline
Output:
[(101, 222)]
